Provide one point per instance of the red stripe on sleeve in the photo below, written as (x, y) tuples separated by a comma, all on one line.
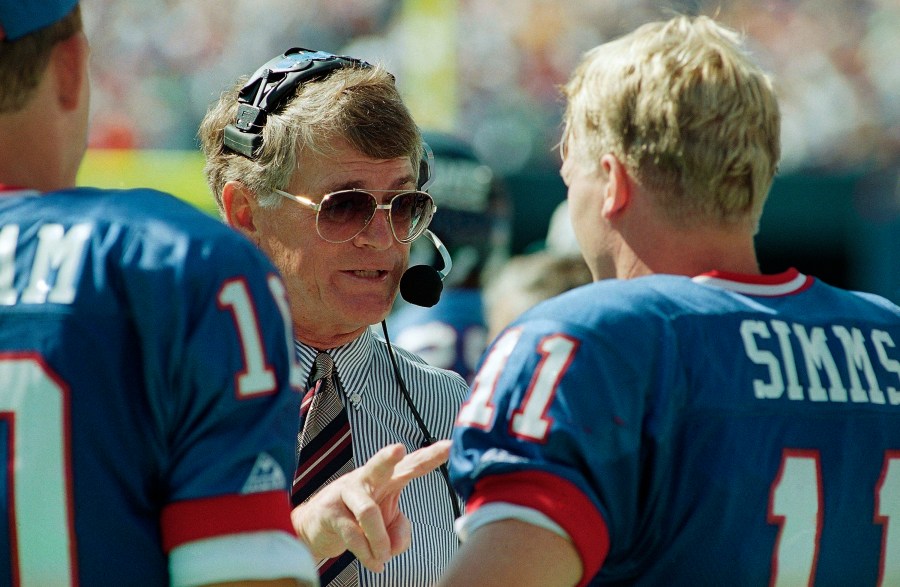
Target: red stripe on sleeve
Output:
[(557, 498), (186, 521)]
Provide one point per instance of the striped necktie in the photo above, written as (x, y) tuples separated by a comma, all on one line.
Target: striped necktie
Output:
[(324, 454)]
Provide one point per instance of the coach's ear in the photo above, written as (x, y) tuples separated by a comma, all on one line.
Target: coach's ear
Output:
[(617, 195), (239, 205)]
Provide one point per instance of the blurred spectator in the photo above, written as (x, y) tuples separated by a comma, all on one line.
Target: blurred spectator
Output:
[(561, 240), (528, 279), (472, 221), (835, 61), (560, 236)]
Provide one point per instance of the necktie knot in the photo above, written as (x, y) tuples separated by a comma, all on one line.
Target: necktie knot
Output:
[(323, 368)]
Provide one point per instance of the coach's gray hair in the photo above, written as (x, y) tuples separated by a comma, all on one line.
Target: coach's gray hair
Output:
[(359, 104)]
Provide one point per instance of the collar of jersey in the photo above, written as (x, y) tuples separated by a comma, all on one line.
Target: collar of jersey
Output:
[(13, 190), (779, 284)]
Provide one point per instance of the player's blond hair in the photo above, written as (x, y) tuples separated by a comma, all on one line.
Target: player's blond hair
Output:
[(688, 113), (361, 105), (23, 61)]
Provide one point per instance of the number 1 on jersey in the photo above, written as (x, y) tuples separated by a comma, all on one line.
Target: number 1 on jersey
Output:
[(258, 377), (887, 507), (530, 420)]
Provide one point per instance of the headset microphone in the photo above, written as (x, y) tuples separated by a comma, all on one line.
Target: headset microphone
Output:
[(422, 284)]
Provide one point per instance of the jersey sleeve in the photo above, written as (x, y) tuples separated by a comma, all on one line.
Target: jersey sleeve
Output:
[(553, 424), (212, 316), (260, 556)]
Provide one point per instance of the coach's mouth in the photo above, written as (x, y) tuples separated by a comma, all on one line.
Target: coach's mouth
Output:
[(368, 274)]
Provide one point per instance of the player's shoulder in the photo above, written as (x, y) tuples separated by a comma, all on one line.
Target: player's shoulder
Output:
[(155, 228), (138, 207), (854, 303), (622, 301), (156, 220)]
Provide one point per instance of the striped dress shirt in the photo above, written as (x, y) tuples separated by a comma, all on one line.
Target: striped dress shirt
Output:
[(379, 416)]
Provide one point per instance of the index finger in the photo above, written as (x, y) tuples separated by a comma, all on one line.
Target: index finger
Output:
[(381, 466), (421, 462)]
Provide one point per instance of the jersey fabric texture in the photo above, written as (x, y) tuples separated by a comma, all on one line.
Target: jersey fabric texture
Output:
[(145, 414), (451, 334), (720, 430)]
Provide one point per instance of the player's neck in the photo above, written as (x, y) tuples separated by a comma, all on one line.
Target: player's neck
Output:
[(689, 253), (30, 156)]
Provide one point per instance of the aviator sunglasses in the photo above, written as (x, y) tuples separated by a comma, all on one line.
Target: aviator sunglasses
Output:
[(343, 214)]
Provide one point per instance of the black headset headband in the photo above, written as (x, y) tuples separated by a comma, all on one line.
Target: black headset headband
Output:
[(270, 86)]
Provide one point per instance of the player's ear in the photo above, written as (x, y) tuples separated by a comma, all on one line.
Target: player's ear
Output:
[(617, 194), (69, 62), (239, 206)]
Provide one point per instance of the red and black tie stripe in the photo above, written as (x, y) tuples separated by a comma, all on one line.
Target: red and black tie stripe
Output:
[(325, 453)]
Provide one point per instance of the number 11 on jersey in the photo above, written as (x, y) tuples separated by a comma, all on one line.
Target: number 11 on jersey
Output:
[(796, 506)]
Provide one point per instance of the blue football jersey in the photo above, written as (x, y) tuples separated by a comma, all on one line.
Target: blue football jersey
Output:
[(451, 334), (720, 430), (149, 401)]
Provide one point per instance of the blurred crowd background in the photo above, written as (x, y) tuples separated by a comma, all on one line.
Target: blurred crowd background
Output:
[(489, 71)]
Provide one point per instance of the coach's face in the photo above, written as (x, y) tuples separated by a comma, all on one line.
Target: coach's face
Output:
[(336, 289)]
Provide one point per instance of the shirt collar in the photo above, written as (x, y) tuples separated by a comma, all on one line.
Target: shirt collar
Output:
[(352, 361)]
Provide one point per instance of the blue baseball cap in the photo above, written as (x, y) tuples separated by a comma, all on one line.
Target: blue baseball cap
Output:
[(20, 17)]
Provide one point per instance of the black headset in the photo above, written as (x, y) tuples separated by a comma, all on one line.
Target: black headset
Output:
[(267, 90)]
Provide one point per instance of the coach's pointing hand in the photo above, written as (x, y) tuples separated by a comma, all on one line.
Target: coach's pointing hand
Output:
[(360, 511)]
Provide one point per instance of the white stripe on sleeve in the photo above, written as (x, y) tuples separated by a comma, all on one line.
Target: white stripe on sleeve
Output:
[(237, 557)]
